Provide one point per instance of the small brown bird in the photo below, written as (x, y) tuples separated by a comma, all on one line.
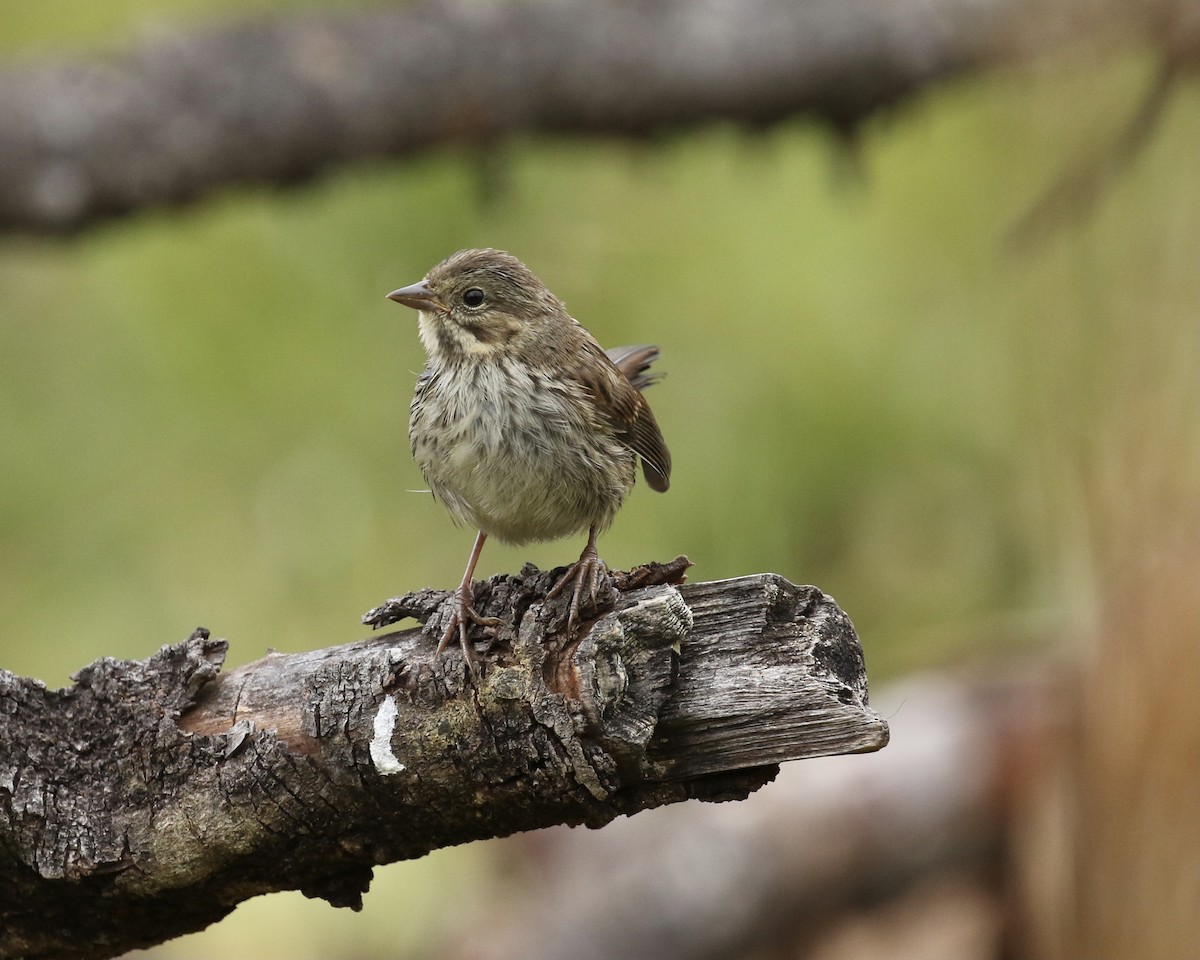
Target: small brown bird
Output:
[(522, 425)]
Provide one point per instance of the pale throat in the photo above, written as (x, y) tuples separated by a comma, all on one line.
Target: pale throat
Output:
[(434, 334)]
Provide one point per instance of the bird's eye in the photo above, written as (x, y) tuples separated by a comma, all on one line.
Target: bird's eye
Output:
[(473, 297)]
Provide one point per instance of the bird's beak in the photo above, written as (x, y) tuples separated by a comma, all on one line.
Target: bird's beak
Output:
[(418, 296)]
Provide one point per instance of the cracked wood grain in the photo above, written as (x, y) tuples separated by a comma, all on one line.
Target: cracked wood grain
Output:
[(151, 797)]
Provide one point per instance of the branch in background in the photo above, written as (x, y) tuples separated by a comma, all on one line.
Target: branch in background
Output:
[(153, 796), (1079, 188), (279, 101)]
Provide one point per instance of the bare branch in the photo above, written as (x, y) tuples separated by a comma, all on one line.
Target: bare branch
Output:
[(151, 797)]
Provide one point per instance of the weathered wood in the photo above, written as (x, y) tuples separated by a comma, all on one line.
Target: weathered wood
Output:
[(153, 796), (280, 101), (741, 701)]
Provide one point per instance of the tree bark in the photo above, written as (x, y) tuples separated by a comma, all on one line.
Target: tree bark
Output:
[(152, 796), (280, 101)]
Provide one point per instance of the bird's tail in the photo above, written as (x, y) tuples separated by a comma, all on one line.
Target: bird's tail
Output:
[(635, 362)]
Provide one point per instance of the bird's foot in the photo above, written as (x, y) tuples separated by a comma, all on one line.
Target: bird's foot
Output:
[(464, 614), (586, 572)]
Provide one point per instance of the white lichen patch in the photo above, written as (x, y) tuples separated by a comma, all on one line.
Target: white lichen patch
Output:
[(381, 743)]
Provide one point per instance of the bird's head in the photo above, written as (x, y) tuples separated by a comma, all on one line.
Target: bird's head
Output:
[(478, 302)]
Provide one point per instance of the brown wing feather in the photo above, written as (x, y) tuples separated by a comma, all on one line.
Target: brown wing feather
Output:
[(647, 441), (617, 396)]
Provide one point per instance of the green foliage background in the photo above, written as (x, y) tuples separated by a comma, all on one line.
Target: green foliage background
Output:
[(202, 412)]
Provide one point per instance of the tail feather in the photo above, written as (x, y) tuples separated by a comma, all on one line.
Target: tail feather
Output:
[(635, 363)]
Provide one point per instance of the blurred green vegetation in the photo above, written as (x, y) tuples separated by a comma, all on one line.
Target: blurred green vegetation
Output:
[(203, 412), (53, 27)]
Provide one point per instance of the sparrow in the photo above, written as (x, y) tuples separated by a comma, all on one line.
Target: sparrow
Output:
[(523, 426)]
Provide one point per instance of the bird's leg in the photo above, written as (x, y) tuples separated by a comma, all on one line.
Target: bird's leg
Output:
[(464, 609), (587, 570)]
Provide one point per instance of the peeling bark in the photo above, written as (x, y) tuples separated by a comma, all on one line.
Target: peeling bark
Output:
[(151, 797)]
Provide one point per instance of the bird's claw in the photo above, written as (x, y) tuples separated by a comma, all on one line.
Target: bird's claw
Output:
[(464, 614), (587, 570)]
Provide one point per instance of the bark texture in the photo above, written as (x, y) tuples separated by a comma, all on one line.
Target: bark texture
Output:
[(280, 101), (151, 797)]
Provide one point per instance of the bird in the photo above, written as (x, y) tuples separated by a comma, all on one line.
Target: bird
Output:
[(523, 426)]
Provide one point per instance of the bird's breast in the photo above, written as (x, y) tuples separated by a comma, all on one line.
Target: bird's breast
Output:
[(515, 452)]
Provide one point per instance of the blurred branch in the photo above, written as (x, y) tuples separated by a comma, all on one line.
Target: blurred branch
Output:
[(1078, 189), (278, 101), (153, 796)]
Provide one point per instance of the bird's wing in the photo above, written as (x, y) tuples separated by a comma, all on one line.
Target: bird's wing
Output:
[(622, 404)]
